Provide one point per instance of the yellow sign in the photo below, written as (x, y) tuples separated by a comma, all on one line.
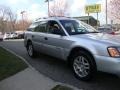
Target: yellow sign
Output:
[(93, 8)]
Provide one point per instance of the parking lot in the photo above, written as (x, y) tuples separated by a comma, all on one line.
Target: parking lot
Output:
[(59, 71)]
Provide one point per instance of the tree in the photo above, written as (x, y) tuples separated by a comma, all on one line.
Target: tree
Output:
[(19, 25), (12, 20), (7, 19), (9, 22), (59, 8), (114, 10)]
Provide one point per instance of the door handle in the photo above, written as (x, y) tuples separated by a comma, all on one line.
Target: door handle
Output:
[(46, 38), (32, 36)]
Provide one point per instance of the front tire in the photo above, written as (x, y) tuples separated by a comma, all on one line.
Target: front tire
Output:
[(30, 50), (83, 66)]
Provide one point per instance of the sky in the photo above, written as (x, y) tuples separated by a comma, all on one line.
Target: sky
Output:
[(38, 8)]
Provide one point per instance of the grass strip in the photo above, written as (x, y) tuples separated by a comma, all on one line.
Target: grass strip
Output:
[(10, 64)]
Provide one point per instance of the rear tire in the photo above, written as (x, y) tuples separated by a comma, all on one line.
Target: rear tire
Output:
[(83, 65), (30, 50)]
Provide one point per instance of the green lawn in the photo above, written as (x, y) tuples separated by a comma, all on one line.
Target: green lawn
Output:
[(9, 64)]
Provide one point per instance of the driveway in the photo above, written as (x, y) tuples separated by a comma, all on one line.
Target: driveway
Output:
[(59, 71)]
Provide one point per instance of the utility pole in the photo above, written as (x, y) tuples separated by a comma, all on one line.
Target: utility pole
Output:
[(48, 8), (97, 21), (88, 18), (22, 13), (48, 1), (106, 13)]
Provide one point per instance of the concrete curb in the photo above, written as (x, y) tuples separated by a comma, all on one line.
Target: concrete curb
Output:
[(57, 83), (13, 40)]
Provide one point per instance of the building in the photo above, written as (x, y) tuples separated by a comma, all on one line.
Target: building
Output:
[(89, 20)]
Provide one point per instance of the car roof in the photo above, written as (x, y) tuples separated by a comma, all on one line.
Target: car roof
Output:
[(53, 18)]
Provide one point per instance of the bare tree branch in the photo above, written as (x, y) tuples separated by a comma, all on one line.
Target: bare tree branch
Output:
[(59, 8), (114, 10)]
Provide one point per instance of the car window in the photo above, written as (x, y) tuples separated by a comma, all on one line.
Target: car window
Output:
[(41, 27), (32, 26), (54, 28), (74, 27), (30, 29), (69, 27)]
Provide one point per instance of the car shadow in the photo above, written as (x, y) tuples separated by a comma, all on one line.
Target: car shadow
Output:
[(60, 71)]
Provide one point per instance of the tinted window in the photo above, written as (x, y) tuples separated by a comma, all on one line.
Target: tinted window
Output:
[(30, 29), (32, 26), (54, 28), (41, 27)]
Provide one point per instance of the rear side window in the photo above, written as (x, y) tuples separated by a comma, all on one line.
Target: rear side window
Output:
[(32, 26), (41, 27), (30, 29)]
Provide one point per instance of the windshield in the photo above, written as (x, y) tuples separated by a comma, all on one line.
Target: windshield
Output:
[(74, 27)]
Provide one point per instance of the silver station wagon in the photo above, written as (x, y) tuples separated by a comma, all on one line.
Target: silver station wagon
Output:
[(87, 50)]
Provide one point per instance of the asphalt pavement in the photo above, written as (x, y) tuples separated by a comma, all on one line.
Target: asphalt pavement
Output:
[(59, 71)]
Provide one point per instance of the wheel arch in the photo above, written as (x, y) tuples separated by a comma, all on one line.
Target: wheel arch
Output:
[(78, 48)]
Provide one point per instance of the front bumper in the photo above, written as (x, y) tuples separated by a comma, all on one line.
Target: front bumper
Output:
[(108, 64)]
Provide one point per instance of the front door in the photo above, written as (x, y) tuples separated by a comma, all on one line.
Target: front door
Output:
[(55, 41)]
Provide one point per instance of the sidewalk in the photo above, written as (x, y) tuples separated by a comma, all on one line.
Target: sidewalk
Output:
[(29, 79)]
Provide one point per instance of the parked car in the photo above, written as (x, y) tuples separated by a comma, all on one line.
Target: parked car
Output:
[(1, 37), (7, 35), (10, 35), (20, 34), (109, 30), (13, 35), (71, 40)]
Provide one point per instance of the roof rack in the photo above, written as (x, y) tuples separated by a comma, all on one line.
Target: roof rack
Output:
[(41, 18), (38, 19)]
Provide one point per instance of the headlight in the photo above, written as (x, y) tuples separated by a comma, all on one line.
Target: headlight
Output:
[(114, 52)]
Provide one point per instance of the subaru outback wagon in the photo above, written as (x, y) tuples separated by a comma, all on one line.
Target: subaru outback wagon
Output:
[(87, 50)]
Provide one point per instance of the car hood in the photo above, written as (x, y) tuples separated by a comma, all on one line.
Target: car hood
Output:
[(106, 38)]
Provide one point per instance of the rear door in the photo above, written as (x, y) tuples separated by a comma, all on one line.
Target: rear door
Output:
[(38, 36)]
